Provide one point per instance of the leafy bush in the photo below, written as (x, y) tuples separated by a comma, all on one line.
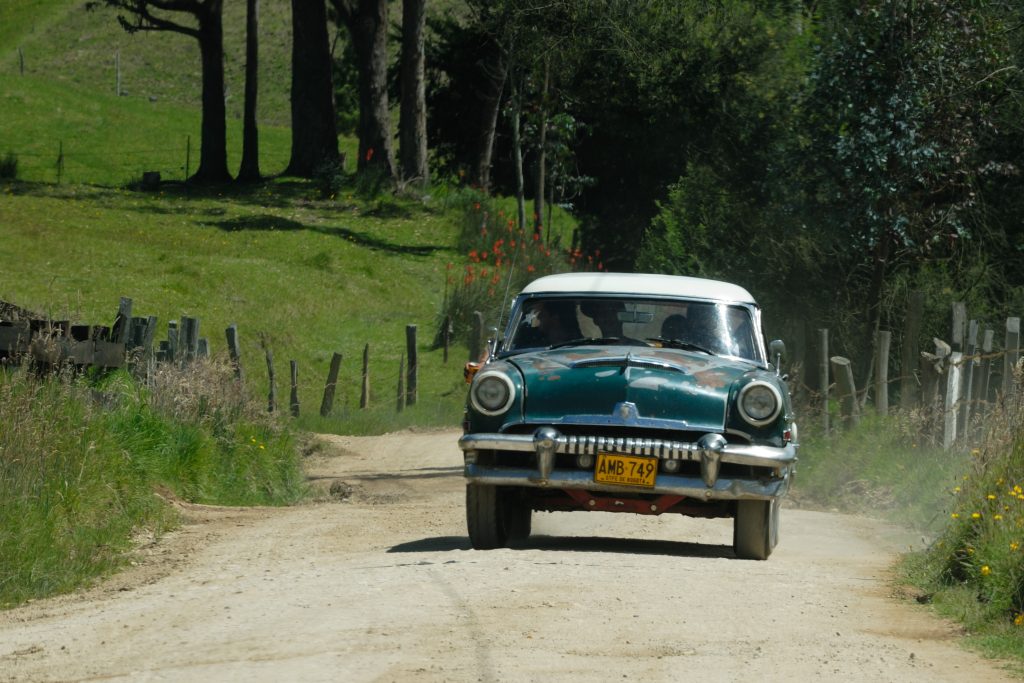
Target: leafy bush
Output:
[(501, 260)]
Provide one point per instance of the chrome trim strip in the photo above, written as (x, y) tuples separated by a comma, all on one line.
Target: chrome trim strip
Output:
[(691, 487), (739, 454)]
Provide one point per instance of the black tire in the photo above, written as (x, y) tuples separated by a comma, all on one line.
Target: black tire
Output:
[(484, 517), (518, 516), (755, 530)]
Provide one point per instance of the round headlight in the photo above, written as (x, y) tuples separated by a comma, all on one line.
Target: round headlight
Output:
[(492, 393), (760, 403)]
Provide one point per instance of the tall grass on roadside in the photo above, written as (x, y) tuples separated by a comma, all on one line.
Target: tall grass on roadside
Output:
[(882, 467), (80, 463), (975, 569)]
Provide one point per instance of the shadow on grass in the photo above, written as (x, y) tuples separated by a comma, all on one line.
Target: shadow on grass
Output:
[(270, 222), (581, 544)]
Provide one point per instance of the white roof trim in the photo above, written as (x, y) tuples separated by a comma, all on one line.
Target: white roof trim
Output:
[(640, 283)]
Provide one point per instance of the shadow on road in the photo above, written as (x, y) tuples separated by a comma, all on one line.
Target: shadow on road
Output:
[(582, 544)]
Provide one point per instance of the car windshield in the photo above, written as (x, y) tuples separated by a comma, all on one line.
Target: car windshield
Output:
[(708, 327)]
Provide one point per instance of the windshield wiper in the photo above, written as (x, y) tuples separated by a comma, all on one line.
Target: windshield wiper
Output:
[(680, 344), (596, 341)]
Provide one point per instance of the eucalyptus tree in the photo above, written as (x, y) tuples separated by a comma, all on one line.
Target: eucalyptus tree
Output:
[(412, 125), (314, 126), (367, 24), (203, 21)]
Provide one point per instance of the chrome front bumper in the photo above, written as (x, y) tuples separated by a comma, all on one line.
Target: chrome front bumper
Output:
[(710, 451)]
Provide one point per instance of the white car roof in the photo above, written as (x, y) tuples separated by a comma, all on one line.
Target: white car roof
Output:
[(640, 283)]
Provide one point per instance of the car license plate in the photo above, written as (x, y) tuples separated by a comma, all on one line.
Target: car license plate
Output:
[(625, 469)]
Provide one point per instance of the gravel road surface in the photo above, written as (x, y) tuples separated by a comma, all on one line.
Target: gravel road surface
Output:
[(375, 581)]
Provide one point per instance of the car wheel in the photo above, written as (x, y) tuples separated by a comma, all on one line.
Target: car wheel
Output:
[(517, 515), (755, 529), (484, 517)]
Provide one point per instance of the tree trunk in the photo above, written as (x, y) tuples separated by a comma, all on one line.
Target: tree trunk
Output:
[(489, 121), (213, 156), (250, 167), (873, 312), (314, 131), (538, 198), (517, 154), (367, 23), (412, 127)]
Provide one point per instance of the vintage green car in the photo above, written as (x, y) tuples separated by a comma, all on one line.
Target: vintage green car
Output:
[(629, 393)]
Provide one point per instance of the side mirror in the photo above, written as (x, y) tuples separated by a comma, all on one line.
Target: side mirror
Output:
[(777, 349)]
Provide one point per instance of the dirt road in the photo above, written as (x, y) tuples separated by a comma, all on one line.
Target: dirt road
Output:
[(377, 583)]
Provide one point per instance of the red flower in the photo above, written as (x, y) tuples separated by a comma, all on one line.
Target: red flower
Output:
[(530, 268), (369, 153)]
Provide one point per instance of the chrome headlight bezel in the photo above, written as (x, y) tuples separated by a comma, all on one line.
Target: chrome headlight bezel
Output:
[(488, 377), (745, 394)]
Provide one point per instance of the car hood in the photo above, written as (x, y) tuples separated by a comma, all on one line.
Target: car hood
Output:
[(640, 386)]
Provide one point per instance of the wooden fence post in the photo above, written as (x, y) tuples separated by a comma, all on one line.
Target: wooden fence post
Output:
[(234, 350), (823, 376), (272, 394), (986, 371), (884, 340), (953, 371), (332, 380), (846, 390), (293, 402), (967, 381), (364, 396), (413, 369), (910, 349), (122, 323), (1012, 353), (188, 339), (959, 325), (172, 341), (400, 398)]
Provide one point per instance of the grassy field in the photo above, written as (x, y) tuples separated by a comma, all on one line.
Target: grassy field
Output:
[(305, 276)]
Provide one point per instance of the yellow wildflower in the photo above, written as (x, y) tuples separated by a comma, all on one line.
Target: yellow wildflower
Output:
[(991, 496), (975, 452), (955, 515), (997, 517), (975, 515), (1019, 619), (956, 489), (1014, 545), (985, 570)]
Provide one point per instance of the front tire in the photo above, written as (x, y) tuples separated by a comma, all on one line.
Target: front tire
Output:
[(518, 515), (484, 517), (755, 530)]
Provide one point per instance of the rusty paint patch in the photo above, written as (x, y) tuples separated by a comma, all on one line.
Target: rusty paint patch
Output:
[(713, 379)]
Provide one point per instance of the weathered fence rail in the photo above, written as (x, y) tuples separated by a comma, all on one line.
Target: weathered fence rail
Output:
[(131, 343)]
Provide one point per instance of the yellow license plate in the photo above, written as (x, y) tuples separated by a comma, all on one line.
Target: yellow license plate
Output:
[(625, 469)]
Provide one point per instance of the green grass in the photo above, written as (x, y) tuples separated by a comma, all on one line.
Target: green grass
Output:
[(108, 140), (80, 460), (307, 277), (64, 45)]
